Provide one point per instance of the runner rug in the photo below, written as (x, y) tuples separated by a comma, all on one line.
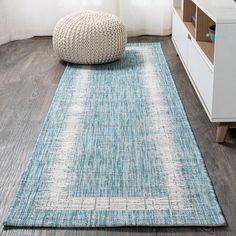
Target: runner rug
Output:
[(116, 149)]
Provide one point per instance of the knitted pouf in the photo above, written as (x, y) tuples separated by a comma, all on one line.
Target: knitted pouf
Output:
[(89, 37)]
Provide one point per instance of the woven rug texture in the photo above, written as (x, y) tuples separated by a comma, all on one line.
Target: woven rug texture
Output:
[(116, 149)]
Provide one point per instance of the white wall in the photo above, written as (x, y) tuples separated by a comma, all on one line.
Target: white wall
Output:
[(4, 22)]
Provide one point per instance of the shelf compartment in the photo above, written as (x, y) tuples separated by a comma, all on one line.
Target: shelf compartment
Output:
[(199, 32), (209, 50), (189, 10), (179, 12), (190, 28), (203, 23), (188, 25)]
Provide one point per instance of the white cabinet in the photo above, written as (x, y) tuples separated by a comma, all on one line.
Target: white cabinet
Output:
[(201, 74), (180, 35), (211, 67)]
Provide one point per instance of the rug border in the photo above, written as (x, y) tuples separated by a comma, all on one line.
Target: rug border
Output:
[(205, 166), (68, 65)]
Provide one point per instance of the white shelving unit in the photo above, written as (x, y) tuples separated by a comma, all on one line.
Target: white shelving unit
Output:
[(211, 67)]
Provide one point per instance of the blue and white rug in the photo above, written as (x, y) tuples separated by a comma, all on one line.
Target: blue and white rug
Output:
[(116, 149)]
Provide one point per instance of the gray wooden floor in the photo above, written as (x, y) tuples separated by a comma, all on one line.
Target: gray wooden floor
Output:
[(29, 75)]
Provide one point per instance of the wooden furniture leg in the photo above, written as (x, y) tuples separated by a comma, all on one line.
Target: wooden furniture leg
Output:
[(222, 130)]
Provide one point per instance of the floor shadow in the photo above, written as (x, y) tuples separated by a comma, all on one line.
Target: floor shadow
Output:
[(129, 61)]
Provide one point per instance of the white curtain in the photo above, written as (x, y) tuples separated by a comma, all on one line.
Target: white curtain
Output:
[(21, 19), (4, 22)]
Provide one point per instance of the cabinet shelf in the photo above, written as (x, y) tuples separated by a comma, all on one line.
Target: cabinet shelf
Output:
[(210, 66), (199, 31), (189, 10), (208, 48), (190, 28), (179, 12)]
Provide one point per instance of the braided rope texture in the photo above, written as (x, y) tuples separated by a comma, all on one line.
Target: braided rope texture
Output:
[(90, 37)]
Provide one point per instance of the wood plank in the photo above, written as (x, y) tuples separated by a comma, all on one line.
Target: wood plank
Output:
[(179, 12), (209, 50), (222, 130), (190, 28), (189, 10), (203, 23)]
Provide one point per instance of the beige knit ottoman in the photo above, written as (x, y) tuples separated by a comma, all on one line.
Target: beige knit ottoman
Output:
[(89, 37)]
